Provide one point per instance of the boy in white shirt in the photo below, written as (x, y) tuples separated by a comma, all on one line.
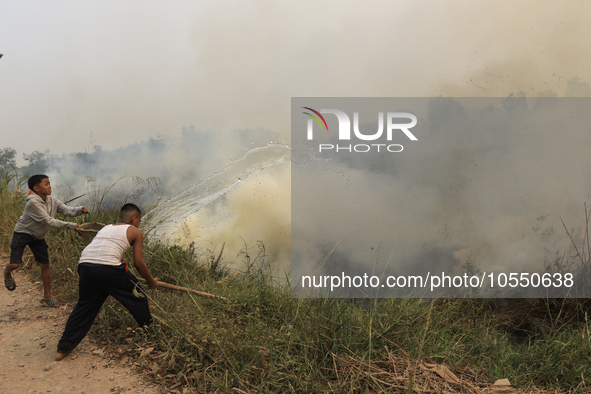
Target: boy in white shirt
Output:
[(102, 274)]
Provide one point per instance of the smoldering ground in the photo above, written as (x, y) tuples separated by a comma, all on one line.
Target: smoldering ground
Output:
[(253, 221)]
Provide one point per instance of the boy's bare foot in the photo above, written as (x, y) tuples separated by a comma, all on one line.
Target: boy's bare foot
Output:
[(60, 356)]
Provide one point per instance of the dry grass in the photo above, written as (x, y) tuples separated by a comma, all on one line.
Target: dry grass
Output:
[(264, 341)]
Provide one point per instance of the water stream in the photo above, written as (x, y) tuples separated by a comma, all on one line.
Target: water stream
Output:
[(246, 202)]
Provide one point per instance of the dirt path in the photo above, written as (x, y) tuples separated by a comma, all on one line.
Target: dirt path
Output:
[(29, 334)]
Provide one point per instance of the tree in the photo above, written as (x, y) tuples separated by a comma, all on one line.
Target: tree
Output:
[(7, 159), (38, 162)]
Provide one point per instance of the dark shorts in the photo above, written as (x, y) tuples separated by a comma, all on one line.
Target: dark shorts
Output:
[(37, 246)]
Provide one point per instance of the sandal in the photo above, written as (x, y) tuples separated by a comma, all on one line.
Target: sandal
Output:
[(50, 304), (10, 283)]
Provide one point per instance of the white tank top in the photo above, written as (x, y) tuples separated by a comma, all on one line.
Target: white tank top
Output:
[(108, 246)]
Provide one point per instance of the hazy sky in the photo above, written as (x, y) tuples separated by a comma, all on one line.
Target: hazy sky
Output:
[(114, 73)]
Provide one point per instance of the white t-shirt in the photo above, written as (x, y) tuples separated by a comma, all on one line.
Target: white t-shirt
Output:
[(108, 246)]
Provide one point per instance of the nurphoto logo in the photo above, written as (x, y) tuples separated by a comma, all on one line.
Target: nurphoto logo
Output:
[(344, 130)]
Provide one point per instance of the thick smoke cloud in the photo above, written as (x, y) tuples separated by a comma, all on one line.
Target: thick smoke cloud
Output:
[(178, 162), (486, 184), (195, 187)]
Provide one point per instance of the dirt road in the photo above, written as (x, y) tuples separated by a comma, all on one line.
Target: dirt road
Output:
[(29, 334)]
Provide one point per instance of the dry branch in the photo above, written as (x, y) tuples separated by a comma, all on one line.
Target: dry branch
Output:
[(181, 288)]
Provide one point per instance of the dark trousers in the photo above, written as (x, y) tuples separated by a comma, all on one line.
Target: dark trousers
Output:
[(97, 282)]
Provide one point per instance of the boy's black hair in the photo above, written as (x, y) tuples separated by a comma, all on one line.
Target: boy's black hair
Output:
[(34, 180), (129, 210)]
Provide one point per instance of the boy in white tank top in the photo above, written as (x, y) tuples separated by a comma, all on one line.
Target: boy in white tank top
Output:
[(102, 274)]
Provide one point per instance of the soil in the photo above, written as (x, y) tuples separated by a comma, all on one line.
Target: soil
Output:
[(29, 333)]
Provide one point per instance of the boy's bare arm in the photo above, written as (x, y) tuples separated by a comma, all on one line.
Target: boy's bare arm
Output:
[(136, 239)]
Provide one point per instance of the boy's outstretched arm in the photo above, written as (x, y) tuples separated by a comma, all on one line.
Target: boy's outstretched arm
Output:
[(38, 214), (70, 211), (136, 239)]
